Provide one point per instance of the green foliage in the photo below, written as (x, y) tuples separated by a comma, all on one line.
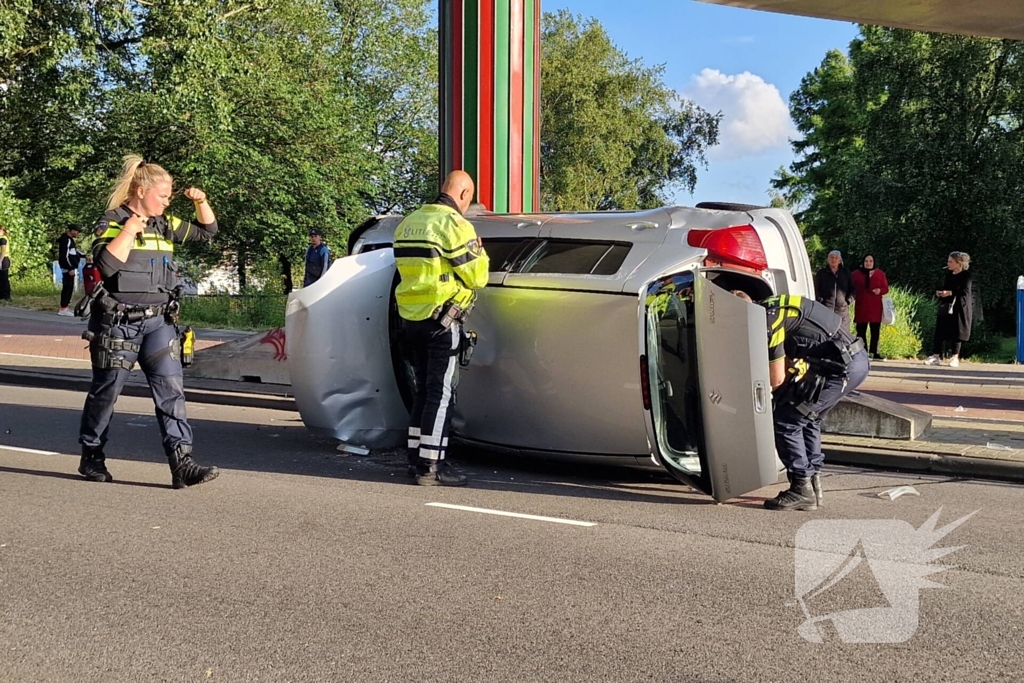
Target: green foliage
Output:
[(613, 135), (251, 311), (26, 234), (292, 114), (911, 149), (915, 321)]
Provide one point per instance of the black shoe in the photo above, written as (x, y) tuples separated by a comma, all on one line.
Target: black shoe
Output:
[(187, 472), (877, 356), (799, 496), (439, 474), (93, 466), (816, 487)]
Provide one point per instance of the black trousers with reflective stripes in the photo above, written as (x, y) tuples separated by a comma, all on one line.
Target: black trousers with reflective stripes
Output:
[(798, 436), (163, 372), (436, 363), (67, 288)]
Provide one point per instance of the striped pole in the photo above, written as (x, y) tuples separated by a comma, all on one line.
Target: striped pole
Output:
[(490, 99)]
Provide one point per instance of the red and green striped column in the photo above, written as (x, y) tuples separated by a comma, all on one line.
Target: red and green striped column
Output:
[(490, 99)]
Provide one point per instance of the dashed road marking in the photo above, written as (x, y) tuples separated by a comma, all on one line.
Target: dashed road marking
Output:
[(27, 450)]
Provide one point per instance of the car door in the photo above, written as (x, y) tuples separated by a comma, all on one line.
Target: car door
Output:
[(704, 372), (339, 353)]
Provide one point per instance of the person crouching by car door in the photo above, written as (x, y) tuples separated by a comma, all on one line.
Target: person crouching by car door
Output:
[(813, 362), (441, 261)]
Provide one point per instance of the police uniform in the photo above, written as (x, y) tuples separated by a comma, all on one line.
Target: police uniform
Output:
[(822, 356), (132, 320), (441, 263)]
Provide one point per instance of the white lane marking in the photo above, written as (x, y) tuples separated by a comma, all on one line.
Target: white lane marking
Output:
[(502, 513), (29, 355), (27, 450)]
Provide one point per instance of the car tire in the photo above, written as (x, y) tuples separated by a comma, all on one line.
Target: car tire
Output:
[(726, 206)]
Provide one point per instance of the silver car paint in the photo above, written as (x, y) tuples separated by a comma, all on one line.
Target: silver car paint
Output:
[(552, 371)]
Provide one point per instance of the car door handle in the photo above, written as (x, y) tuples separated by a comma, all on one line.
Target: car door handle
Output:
[(760, 397), (642, 225)]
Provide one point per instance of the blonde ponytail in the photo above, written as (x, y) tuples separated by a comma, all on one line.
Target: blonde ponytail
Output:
[(135, 172)]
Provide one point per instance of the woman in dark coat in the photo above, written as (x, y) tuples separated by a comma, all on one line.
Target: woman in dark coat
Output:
[(956, 308), (833, 287), (869, 286)]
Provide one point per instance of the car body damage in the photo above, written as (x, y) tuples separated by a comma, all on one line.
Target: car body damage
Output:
[(600, 337)]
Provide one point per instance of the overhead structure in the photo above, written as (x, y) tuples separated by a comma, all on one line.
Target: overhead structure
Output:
[(490, 99), (991, 18)]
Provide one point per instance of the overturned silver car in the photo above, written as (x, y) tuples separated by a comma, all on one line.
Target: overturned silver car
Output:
[(601, 336)]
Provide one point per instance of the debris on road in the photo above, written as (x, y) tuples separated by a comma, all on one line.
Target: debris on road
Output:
[(894, 493)]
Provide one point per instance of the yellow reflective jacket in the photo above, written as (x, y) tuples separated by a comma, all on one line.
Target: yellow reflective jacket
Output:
[(439, 258)]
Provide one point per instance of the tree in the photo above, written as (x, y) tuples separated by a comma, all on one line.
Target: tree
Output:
[(613, 135), (912, 149), (293, 114)]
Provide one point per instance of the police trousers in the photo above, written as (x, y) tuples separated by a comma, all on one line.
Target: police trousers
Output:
[(435, 350), (158, 358), (798, 436)]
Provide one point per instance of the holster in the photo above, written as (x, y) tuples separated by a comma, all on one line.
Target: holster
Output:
[(466, 346), (451, 312), (102, 348)]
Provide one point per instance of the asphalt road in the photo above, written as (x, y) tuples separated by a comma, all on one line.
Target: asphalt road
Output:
[(300, 565)]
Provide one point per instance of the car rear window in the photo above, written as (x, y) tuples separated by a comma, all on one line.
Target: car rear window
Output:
[(577, 257)]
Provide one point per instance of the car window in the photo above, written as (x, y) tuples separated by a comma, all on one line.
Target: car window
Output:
[(502, 252), (577, 257)]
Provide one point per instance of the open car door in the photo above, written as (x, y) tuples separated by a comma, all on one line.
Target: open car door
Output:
[(339, 353), (707, 386)]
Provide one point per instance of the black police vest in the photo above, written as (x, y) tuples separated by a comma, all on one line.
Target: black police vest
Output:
[(815, 326)]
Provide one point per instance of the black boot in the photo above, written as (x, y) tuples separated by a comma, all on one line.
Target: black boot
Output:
[(816, 487), (93, 466), (799, 496), (413, 458), (187, 472), (438, 473)]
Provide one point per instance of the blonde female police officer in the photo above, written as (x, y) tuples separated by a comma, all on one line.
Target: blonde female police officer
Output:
[(132, 322)]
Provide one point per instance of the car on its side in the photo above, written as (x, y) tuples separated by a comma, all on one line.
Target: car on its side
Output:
[(602, 336)]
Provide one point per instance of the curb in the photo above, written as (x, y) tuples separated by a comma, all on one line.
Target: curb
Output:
[(241, 399), (932, 463)]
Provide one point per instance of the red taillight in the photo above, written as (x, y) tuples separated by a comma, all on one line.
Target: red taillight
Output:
[(739, 245), (645, 382)]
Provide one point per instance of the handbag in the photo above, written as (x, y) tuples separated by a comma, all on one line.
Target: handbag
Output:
[(888, 311)]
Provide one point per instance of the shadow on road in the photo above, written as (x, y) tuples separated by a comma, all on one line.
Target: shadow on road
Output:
[(284, 446)]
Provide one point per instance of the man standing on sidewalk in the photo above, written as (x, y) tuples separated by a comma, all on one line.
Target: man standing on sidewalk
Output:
[(68, 256)]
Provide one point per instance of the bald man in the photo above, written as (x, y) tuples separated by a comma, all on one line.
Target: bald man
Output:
[(441, 263)]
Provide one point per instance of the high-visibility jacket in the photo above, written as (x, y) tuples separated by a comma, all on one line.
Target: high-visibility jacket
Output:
[(150, 271), (440, 259), (796, 323)]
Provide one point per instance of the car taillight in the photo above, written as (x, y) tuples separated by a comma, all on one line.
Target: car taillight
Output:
[(645, 382), (739, 245)]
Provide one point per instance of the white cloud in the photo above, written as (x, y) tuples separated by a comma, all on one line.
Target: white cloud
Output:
[(754, 116)]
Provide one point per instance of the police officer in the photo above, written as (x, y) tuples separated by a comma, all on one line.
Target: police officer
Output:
[(440, 261), (133, 312), (813, 362)]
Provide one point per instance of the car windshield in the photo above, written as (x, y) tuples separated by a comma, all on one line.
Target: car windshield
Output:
[(672, 367)]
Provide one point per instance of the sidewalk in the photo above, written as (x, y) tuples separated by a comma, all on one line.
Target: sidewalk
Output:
[(42, 349), (977, 426)]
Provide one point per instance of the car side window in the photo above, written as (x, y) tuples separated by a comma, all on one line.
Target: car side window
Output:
[(503, 253), (577, 257)]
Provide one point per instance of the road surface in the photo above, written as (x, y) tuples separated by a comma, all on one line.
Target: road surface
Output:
[(300, 565)]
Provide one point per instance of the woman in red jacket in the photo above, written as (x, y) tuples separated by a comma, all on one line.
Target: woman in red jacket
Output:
[(869, 286)]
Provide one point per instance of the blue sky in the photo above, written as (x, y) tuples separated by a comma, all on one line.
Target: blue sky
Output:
[(741, 62)]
